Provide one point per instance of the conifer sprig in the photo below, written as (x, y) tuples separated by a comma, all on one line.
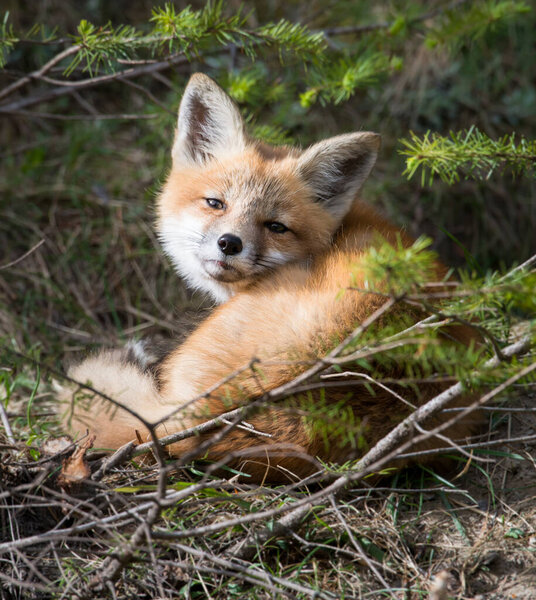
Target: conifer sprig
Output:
[(469, 154), (101, 45), (293, 37), (338, 81), (189, 32), (403, 268), (186, 30)]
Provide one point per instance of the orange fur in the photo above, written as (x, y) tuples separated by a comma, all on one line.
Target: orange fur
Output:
[(285, 316)]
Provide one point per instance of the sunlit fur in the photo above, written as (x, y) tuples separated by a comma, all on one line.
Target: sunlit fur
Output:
[(280, 297), (308, 192), (255, 192)]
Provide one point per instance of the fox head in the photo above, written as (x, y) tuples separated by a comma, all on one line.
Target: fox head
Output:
[(233, 210)]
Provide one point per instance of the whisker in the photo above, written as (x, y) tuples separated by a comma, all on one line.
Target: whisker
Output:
[(270, 262)]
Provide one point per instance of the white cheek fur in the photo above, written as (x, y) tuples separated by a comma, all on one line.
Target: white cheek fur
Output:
[(180, 239)]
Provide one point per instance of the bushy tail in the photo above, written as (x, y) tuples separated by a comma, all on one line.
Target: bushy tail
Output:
[(84, 410)]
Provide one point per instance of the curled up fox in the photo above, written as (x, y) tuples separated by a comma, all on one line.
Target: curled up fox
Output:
[(273, 234)]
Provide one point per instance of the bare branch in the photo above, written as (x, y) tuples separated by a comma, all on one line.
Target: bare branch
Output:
[(40, 72), (58, 91)]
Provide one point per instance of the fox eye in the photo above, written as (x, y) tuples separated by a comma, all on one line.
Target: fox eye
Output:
[(214, 203), (276, 227)]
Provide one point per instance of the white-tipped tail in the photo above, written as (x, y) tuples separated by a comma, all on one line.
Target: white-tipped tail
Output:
[(83, 410)]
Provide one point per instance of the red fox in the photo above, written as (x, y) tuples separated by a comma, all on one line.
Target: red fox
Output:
[(273, 234)]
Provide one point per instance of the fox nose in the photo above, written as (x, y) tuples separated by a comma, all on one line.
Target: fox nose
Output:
[(230, 244)]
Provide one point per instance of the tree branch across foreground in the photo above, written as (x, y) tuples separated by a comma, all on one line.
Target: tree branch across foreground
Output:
[(139, 68), (386, 450), (70, 87)]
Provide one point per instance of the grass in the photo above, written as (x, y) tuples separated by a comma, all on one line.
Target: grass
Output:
[(100, 278), (408, 529)]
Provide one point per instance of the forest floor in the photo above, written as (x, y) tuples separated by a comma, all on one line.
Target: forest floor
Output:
[(469, 534)]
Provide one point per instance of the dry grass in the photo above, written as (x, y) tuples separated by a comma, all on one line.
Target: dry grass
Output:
[(389, 540)]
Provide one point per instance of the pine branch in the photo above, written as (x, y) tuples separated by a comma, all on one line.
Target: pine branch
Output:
[(175, 37), (188, 32), (68, 87), (97, 45), (336, 82), (470, 154), (180, 36)]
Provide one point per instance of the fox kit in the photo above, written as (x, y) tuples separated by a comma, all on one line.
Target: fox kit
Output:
[(273, 235)]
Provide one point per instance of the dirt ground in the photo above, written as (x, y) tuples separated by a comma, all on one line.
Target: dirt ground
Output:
[(486, 541)]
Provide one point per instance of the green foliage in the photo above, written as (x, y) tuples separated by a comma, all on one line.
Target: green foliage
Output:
[(403, 269), (496, 299), (246, 85), (16, 381), (102, 45), (471, 152), (183, 31), (271, 134), (189, 32), (493, 305), (7, 39), (336, 82), (293, 38), (460, 26)]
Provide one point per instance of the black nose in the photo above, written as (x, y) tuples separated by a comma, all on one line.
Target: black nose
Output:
[(230, 244)]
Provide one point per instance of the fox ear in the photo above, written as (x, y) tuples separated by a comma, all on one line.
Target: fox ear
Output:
[(209, 124), (336, 169)]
